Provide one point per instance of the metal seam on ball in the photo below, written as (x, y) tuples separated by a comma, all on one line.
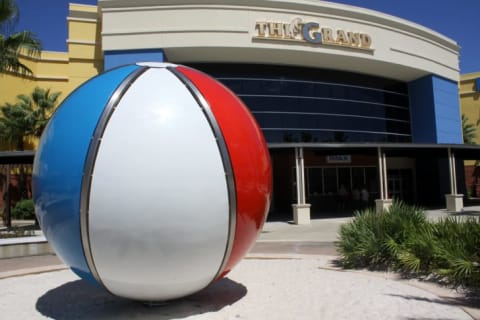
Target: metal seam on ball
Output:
[(90, 164), (229, 176)]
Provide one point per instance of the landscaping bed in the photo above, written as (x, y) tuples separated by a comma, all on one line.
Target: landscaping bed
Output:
[(403, 239)]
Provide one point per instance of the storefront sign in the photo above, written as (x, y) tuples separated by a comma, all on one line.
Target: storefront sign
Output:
[(312, 32), (339, 158)]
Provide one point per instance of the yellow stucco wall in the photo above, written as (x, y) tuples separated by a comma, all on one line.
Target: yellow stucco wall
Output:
[(61, 71), (470, 106), (470, 99), (49, 71)]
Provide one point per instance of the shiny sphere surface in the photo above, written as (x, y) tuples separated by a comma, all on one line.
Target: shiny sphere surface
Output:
[(152, 180)]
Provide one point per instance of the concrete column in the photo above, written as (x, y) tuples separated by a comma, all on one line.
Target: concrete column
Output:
[(453, 200), (383, 203), (301, 210), (385, 178), (300, 175), (380, 173)]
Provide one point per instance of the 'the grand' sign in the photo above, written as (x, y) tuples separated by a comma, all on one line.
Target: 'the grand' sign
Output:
[(311, 32)]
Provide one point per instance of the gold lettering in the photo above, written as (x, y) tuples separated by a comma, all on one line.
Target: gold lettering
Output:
[(275, 30), (366, 41), (342, 38), (327, 35), (288, 34), (261, 27), (311, 32), (354, 38), (293, 29)]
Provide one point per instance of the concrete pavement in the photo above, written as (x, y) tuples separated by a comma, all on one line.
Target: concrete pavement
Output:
[(289, 274)]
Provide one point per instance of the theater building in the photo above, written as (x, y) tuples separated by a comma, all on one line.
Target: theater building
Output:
[(354, 103)]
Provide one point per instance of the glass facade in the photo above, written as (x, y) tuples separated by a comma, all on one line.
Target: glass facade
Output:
[(328, 180), (334, 188), (307, 105)]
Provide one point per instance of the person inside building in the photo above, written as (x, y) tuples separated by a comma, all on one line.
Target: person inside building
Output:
[(364, 197)]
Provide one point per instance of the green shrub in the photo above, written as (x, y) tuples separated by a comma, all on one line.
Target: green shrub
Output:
[(24, 209), (458, 242), (402, 239), (361, 241), (376, 240)]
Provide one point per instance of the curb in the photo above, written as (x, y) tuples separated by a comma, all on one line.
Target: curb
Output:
[(31, 271), (23, 247)]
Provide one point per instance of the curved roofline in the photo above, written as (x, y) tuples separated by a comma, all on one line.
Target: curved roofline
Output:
[(401, 49), (310, 6)]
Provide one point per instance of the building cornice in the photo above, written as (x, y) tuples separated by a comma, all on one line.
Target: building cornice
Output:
[(45, 56), (234, 31), (82, 42), (81, 12), (314, 7), (469, 76)]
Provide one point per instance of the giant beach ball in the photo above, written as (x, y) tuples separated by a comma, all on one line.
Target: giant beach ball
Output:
[(152, 181)]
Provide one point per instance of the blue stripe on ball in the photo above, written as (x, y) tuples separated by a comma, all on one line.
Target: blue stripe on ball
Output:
[(59, 164)]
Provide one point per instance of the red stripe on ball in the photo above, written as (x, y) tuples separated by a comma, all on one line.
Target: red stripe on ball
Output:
[(249, 157)]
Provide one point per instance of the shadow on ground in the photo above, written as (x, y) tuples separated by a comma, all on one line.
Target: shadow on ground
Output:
[(467, 213), (80, 300), (287, 217), (466, 301)]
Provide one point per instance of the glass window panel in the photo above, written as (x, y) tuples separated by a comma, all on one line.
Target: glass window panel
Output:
[(296, 104), (344, 178), (330, 180), (281, 135), (371, 179), (315, 181), (358, 177)]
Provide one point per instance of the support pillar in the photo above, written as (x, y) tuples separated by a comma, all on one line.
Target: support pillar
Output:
[(7, 218), (301, 210), (384, 203), (454, 200)]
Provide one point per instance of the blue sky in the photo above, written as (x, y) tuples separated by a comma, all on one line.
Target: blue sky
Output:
[(456, 19)]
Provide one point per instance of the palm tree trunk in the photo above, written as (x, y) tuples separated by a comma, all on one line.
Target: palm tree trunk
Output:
[(20, 144)]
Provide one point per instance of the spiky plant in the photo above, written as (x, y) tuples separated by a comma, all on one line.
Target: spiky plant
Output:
[(459, 246), (27, 117), (361, 241), (13, 45), (377, 240)]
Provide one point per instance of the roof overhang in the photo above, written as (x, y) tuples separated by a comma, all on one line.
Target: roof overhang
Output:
[(17, 157), (461, 151)]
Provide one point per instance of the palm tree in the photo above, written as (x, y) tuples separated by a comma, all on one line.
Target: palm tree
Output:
[(26, 118), (42, 102), (12, 45), (469, 131), (15, 124)]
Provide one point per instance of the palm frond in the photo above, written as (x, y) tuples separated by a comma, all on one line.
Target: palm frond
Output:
[(469, 131), (26, 118), (12, 46), (8, 12)]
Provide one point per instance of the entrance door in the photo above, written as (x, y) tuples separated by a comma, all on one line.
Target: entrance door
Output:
[(337, 188), (400, 184)]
